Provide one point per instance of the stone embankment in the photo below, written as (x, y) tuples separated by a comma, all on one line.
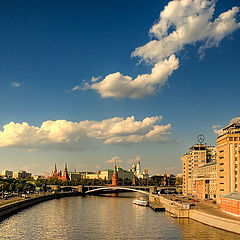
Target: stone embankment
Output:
[(11, 208), (210, 217)]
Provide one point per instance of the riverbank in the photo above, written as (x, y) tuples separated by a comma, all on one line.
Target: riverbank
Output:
[(20, 204), (203, 212)]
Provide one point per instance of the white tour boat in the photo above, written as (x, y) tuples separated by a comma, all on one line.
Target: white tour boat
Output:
[(140, 202)]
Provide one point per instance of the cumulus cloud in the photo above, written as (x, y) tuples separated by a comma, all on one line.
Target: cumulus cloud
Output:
[(217, 129), (76, 88), (182, 23), (15, 84), (117, 85), (95, 79), (115, 159), (67, 135), (186, 22)]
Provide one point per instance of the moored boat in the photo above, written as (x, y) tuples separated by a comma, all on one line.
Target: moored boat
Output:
[(140, 202)]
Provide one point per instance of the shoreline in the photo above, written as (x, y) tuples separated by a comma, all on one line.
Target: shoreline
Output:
[(213, 219), (16, 206)]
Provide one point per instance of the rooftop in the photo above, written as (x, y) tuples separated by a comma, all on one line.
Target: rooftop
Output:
[(232, 195), (231, 128)]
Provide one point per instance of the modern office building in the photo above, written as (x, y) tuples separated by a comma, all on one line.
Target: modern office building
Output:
[(228, 160), (198, 155)]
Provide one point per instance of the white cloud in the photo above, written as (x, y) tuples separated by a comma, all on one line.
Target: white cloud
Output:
[(95, 79), (181, 23), (115, 159), (217, 129), (15, 84), (117, 85), (67, 135), (83, 86), (76, 88), (186, 22)]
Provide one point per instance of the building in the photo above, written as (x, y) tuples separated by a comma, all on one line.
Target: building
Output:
[(204, 181), (7, 173), (114, 177), (198, 155), (106, 174), (21, 174), (74, 176), (230, 203), (59, 175), (123, 174), (136, 170), (228, 160)]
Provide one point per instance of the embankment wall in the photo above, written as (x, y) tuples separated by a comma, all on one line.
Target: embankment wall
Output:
[(11, 208), (208, 219)]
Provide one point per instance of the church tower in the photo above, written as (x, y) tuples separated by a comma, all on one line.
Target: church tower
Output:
[(138, 167)]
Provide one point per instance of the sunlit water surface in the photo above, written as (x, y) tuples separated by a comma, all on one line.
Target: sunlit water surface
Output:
[(96, 217)]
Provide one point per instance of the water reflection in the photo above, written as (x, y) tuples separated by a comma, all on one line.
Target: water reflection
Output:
[(101, 217)]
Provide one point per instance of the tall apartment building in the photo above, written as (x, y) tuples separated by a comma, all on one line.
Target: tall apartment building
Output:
[(228, 160), (198, 155)]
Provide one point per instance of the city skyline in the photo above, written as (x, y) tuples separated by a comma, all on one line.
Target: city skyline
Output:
[(85, 83)]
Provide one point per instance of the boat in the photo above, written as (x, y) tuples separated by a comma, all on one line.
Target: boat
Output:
[(140, 202)]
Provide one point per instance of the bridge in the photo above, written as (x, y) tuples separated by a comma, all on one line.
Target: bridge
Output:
[(102, 189), (110, 189), (113, 189)]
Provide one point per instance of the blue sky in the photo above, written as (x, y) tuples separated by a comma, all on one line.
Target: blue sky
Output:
[(50, 52)]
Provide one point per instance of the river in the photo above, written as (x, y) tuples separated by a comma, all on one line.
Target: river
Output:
[(102, 217)]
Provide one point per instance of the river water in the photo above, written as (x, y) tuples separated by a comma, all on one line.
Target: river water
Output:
[(102, 217)]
